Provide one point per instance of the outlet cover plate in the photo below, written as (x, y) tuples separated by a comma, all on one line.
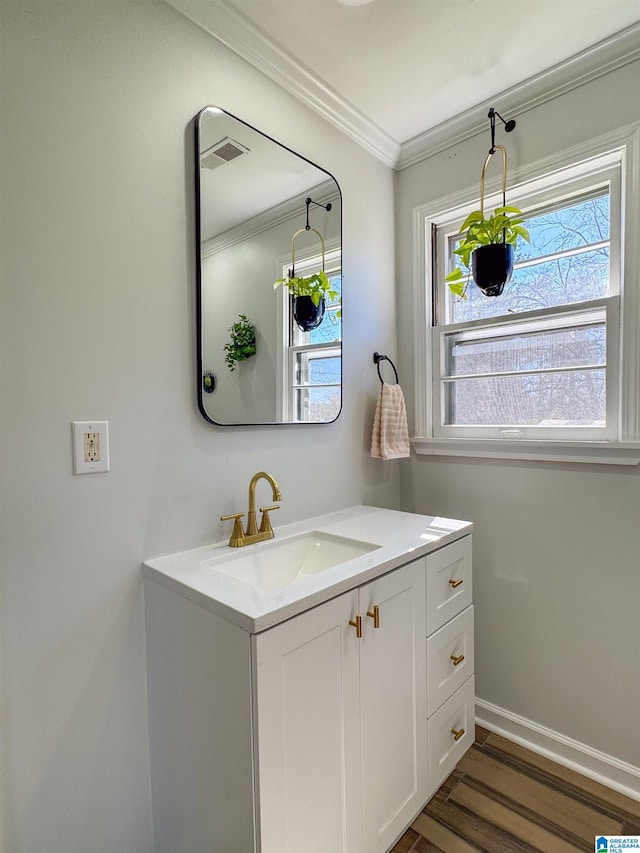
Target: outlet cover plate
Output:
[(90, 447)]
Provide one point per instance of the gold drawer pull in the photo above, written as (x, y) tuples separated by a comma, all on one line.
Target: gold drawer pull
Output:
[(457, 660), (456, 583), (375, 615), (457, 734), (357, 624)]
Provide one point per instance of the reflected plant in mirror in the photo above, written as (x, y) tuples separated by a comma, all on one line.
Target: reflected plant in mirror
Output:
[(252, 195), (242, 343)]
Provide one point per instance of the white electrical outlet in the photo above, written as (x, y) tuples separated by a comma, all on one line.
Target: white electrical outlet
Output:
[(90, 447)]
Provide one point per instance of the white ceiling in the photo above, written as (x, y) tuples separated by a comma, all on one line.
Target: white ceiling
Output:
[(392, 70)]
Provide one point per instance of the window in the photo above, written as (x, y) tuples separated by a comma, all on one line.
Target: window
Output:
[(312, 364), (533, 362), (544, 361)]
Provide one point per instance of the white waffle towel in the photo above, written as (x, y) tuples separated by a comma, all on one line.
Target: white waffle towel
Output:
[(390, 439)]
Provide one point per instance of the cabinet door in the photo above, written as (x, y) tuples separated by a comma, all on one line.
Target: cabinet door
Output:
[(393, 704), (307, 732)]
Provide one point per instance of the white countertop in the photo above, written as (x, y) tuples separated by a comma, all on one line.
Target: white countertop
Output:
[(401, 537)]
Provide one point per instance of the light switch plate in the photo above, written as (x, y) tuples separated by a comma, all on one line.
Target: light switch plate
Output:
[(90, 447)]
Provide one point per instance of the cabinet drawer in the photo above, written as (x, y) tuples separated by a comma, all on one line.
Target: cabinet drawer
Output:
[(455, 716), (449, 659), (448, 583)]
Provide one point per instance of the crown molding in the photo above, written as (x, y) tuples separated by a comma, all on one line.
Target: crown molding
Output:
[(600, 59), (227, 24)]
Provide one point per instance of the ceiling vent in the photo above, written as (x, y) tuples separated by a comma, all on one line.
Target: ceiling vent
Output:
[(222, 152)]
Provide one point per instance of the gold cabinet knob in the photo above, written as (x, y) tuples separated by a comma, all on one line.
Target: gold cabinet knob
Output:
[(457, 734), (455, 584), (357, 624), (375, 615), (457, 660)]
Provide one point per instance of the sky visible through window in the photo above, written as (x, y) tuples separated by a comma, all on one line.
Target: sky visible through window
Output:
[(541, 279)]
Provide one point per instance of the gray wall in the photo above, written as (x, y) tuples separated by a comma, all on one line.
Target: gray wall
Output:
[(97, 321), (556, 546)]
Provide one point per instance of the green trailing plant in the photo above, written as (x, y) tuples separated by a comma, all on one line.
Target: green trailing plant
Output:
[(503, 226), (242, 344), (317, 286)]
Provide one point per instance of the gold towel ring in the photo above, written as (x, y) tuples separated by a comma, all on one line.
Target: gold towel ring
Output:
[(293, 248)]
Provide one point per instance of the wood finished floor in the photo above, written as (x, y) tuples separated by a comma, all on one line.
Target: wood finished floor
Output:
[(502, 798)]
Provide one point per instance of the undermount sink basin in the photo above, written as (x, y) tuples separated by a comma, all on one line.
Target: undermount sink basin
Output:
[(277, 564)]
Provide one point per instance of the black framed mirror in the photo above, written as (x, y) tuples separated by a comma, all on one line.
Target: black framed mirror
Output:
[(263, 214)]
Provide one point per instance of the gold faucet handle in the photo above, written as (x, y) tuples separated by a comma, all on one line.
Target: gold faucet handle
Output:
[(237, 534), (265, 521)]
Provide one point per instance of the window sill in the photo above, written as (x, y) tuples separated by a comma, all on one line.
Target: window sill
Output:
[(592, 452)]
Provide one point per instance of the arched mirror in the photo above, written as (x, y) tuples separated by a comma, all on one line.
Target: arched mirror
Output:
[(263, 214)]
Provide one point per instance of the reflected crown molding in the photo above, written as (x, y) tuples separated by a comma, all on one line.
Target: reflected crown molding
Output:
[(284, 212)]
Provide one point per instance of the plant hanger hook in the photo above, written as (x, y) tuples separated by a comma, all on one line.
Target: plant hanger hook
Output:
[(307, 227), (508, 126), (309, 201)]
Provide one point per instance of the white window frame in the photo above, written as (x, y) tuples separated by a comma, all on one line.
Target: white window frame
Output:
[(306, 261), (529, 188)]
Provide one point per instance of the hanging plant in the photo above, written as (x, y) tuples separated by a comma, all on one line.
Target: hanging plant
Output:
[(317, 286), (500, 231), (312, 292), (487, 247), (242, 344)]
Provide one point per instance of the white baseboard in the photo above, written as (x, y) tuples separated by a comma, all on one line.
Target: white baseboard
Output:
[(599, 766)]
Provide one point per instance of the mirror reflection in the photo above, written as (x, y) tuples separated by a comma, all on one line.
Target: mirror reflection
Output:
[(269, 279)]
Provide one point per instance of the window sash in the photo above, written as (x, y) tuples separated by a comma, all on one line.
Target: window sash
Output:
[(299, 404), (331, 350), (542, 197), (562, 317)]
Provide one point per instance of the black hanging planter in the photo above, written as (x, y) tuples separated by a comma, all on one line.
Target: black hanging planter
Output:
[(491, 267), (307, 314)]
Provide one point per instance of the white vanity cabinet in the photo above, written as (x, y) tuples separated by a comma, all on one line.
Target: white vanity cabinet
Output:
[(341, 730), (324, 732)]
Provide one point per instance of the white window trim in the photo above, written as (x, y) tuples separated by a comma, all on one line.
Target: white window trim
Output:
[(626, 450)]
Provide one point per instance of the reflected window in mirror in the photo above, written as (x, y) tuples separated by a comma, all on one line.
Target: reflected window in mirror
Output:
[(312, 360)]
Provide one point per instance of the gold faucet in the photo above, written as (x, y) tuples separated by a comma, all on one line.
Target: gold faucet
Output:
[(240, 537)]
